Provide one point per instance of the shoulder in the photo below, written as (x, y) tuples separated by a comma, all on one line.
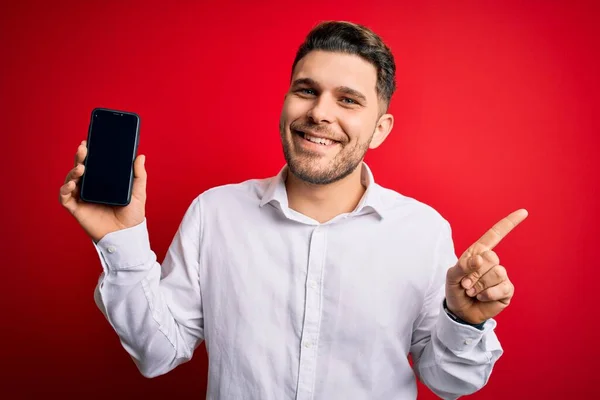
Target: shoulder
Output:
[(400, 206)]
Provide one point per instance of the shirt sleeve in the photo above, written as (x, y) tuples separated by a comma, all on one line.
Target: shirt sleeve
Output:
[(156, 310), (450, 358)]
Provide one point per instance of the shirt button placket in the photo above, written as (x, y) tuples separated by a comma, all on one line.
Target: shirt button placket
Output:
[(312, 311)]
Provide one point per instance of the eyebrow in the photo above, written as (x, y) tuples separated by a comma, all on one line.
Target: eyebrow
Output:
[(342, 89)]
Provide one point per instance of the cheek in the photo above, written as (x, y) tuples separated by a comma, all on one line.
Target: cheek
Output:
[(357, 127), (293, 109)]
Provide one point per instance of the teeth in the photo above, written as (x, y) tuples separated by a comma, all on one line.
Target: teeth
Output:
[(318, 140)]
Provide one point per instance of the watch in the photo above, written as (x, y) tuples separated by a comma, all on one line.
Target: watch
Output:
[(460, 321)]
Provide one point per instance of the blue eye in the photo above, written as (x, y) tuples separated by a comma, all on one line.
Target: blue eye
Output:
[(307, 91)]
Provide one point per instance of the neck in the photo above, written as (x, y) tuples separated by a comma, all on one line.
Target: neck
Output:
[(324, 202)]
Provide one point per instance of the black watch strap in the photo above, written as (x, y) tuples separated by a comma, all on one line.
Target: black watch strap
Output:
[(460, 321)]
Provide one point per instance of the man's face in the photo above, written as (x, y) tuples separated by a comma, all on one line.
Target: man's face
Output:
[(329, 116)]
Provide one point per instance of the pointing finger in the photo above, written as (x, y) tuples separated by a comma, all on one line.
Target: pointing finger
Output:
[(502, 228)]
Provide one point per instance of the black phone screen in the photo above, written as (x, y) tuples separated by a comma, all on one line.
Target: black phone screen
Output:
[(112, 144)]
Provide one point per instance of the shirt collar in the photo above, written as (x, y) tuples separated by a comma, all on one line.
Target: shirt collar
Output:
[(371, 200)]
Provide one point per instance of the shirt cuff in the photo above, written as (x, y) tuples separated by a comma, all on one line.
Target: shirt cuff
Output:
[(460, 337), (125, 249)]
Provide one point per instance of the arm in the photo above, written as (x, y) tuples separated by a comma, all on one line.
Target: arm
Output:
[(156, 312), (450, 358)]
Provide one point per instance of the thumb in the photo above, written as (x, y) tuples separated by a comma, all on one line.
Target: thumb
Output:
[(464, 266), (139, 177)]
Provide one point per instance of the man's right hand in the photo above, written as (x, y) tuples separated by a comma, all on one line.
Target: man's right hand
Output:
[(98, 219)]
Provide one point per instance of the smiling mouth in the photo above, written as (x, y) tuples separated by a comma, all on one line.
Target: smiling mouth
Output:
[(316, 140)]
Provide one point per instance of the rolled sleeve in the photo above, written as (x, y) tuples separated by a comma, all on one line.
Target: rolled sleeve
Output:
[(461, 338)]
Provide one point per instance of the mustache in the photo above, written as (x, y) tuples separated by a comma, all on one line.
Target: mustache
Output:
[(316, 128)]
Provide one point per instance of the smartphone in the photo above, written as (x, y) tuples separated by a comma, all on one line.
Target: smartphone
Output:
[(112, 144)]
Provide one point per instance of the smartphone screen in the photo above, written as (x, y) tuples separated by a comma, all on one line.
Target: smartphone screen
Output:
[(111, 151)]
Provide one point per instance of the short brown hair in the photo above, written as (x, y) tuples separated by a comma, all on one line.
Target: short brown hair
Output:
[(351, 38)]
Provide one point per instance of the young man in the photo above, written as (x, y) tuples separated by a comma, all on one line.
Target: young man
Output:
[(316, 283)]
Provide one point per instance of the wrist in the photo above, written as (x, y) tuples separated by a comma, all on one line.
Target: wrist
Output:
[(459, 320)]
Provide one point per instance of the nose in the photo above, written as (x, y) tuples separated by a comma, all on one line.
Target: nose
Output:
[(321, 111)]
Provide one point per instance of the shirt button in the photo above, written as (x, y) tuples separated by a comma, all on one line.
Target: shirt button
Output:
[(313, 284), (308, 345), (468, 341), (111, 249)]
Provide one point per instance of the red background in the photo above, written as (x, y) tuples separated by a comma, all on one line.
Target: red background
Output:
[(496, 109)]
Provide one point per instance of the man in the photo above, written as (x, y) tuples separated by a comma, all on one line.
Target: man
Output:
[(316, 283)]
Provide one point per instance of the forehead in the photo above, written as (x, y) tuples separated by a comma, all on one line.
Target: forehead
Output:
[(331, 70)]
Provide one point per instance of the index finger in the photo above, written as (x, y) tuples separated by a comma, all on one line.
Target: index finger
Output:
[(502, 228), (81, 153)]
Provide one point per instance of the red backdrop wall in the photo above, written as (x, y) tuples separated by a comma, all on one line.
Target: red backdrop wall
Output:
[(496, 109)]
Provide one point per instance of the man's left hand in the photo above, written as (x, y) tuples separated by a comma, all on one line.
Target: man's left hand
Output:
[(477, 287)]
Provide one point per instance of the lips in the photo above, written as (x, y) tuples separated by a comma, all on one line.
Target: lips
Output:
[(323, 141)]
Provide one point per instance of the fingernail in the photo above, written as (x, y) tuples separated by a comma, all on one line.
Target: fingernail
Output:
[(466, 283), (471, 291)]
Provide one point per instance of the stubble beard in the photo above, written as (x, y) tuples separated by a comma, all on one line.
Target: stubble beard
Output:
[(306, 166)]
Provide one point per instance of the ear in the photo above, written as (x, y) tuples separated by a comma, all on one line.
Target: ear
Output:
[(382, 130)]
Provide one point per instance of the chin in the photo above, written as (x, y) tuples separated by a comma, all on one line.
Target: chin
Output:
[(313, 172), (318, 169)]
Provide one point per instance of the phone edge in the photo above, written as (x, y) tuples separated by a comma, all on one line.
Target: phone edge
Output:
[(134, 156)]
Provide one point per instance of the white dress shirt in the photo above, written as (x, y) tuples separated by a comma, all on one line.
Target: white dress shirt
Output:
[(290, 308)]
